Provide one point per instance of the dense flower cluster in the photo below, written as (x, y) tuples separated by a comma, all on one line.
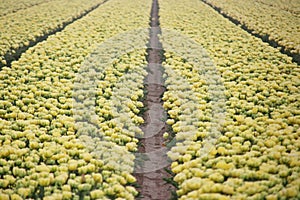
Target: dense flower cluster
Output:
[(107, 121), (69, 107), (10, 6), (256, 152), (267, 19), (44, 152), (292, 6), (20, 28), (194, 98)]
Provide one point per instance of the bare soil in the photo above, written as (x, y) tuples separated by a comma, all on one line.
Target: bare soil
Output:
[(152, 185)]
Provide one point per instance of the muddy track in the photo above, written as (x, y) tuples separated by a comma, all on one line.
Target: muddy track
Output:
[(264, 38), (9, 57), (151, 182)]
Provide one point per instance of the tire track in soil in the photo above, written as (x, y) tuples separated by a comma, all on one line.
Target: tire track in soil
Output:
[(9, 57), (152, 185)]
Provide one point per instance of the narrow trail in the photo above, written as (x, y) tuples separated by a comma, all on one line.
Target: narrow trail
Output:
[(152, 185), (10, 57)]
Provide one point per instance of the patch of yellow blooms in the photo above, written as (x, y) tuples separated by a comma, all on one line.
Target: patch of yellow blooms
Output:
[(278, 19), (256, 155), (42, 154), (20, 28), (11, 6)]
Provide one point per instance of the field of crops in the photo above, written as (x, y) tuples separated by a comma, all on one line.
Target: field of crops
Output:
[(35, 23), (277, 21), (73, 90)]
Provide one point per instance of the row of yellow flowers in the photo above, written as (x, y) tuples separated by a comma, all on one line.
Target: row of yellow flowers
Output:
[(236, 124), (10, 6), (292, 6), (281, 25), (20, 28), (60, 138)]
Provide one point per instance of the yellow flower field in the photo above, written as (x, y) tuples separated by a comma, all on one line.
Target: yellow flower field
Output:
[(43, 154), (22, 28), (279, 20), (73, 107), (256, 152)]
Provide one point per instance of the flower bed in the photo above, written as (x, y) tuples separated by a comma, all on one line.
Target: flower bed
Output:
[(11, 6), (23, 28), (255, 150), (44, 151), (269, 21)]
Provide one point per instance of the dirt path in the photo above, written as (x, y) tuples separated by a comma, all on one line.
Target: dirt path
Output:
[(153, 187)]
